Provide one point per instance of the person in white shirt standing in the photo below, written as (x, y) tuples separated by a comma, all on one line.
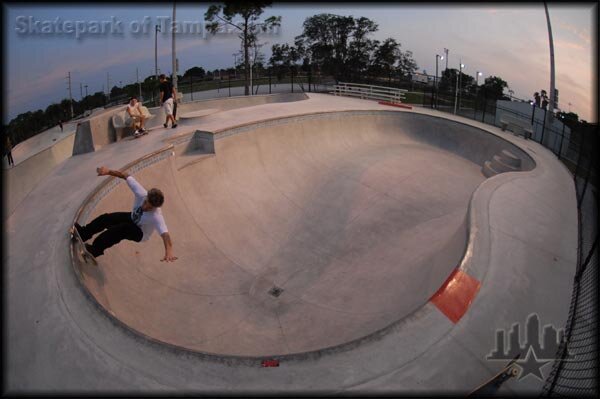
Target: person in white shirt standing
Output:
[(168, 96), (137, 225), (137, 116)]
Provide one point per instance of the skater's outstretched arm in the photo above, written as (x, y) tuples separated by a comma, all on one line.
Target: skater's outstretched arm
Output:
[(104, 171), (168, 248)]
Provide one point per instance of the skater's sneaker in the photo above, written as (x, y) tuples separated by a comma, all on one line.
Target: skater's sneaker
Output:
[(165, 125), (174, 126), (79, 228), (137, 134)]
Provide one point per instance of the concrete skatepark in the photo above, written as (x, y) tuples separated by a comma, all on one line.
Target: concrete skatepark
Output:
[(360, 214)]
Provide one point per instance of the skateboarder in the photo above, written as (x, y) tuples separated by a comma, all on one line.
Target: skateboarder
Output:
[(137, 225), (137, 117)]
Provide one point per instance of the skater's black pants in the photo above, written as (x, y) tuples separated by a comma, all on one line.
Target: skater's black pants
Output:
[(10, 158), (118, 226)]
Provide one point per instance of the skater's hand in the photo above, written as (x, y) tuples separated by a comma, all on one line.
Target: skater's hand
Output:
[(102, 171)]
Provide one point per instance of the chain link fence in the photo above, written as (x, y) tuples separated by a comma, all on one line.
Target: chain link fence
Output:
[(575, 372)]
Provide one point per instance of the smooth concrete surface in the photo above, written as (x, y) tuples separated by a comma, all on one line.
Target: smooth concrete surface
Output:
[(40, 142), (34, 160), (356, 217), (522, 230)]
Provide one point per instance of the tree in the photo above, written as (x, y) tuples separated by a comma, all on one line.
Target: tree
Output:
[(537, 99), (385, 57), (494, 87), (406, 64), (325, 41), (361, 48), (570, 119), (341, 46), (197, 72), (447, 81), (283, 58), (222, 15)]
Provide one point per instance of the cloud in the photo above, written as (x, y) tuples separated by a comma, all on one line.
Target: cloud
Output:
[(53, 83), (568, 44), (582, 34)]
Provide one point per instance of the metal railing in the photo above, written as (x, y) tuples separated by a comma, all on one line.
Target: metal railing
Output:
[(370, 92)]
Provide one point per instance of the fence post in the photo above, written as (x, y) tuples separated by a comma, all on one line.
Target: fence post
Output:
[(484, 105), (292, 80), (578, 160), (309, 78), (543, 128), (585, 184), (562, 137), (229, 84), (269, 80), (432, 94), (533, 114), (192, 86)]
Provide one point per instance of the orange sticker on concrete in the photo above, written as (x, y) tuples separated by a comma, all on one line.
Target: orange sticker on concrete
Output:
[(456, 294)]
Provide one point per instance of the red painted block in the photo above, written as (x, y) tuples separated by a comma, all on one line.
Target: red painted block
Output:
[(456, 294), (395, 104), (270, 363)]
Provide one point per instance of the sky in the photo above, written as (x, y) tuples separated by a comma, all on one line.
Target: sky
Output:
[(509, 40)]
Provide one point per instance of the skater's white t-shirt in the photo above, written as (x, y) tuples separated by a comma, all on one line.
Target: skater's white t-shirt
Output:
[(150, 221), (134, 110)]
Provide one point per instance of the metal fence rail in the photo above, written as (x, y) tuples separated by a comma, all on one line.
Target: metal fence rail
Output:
[(372, 92)]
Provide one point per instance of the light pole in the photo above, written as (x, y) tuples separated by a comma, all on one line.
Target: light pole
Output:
[(86, 92), (446, 51), (457, 86), (477, 75), (251, 67), (137, 80), (156, 30), (552, 88), (235, 55), (174, 55), (437, 58)]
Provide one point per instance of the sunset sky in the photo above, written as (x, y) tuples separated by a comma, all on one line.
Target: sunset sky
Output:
[(505, 39)]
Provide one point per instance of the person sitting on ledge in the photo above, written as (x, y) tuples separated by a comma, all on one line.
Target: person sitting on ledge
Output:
[(137, 225), (137, 116)]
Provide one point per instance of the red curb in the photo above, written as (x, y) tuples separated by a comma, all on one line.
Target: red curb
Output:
[(270, 363), (395, 104), (456, 295)]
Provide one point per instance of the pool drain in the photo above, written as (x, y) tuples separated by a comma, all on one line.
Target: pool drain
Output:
[(275, 291)]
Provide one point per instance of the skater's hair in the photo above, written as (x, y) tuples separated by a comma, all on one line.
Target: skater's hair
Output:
[(132, 98), (156, 197), (162, 76)]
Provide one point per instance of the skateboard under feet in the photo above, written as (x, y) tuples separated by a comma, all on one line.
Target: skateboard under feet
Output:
[(85, 254)]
